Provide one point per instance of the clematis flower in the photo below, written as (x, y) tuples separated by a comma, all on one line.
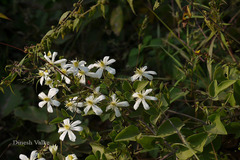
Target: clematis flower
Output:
[(114, 104), (48, 99), (49, 82), (141, 98), (43, 73), (68, 128), (74, 67), (141, 72), (83, 72), (33, 156), (71, 157), (91, 103), (53, 59), (53, 149), (103, 65), (65, 72), (73, 105)]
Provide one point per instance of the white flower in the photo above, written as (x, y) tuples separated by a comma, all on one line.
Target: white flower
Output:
[(83, 72), (64, 73), (33, 156), (53, 59), (91, 103), (48, 99), (71, 157), (141, 72), (114, 104), (97, 90), (74, 67), (49, 82), (141, 96), (103, 65), (68, 128), (53, 149), (43, 73), (73, 105)]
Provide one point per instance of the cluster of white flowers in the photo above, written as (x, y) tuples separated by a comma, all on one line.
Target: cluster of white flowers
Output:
[(79, 71)]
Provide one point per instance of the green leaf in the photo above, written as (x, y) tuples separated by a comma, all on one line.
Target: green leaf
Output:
[(166, 129), (64, 113), (76, 24), (46, 128), (9, 101), (156, 5), (64, 15), (116, 20), (128, 134), (146, 141), (198, 141), (183, 152), (140, 85), (102, 7), (31, 113), (212, 88), (224, 85), (126, 86), (130, 2), (179, 4), (4, 17), (91, 157), (233, 128), (99, 151), (56, 120), (216, 126), (132, 60)]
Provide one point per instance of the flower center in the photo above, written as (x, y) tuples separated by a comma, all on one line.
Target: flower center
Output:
[(41, 73), (75, 64), (64, 71), (113, 104), (90, 103), (70, 157), (69, 104), (49, 81), (139, 71), (81, 72), (46, 99), (102, 64), (49, 54), (140, 96), (67, 127)]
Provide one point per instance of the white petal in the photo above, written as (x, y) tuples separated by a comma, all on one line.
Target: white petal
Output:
[(86, 109), (148, 76), (110, 61), (147, 92), (23, 157), (79, 104), (99, 73), (151, 72), (78, 128), (67, 80), (93, 75), (52, 92), (83, 80), (49, 108), (71, 136), (144, 68), (92, 66), (117, 112), (33, 155), (60, 61), (135, 94), (42, 95), (61, 129), (97, 110), (63, 135), (108, 108), (85, 69), (55, 103), (151, 98), (41, 80), (54, 56), (145, 105), (123, 104), (98, 99), (111, 70), (134, 77), (46, 57), (42, 103), (136, 105), (76, 123), (66, 121), (105, 59), (113, 97)]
